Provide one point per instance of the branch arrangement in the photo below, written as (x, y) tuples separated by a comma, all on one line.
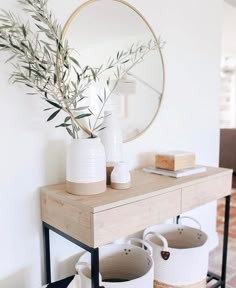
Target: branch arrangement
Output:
[(43, 62)]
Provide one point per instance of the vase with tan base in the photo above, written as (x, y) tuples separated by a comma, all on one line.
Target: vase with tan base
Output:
[(86, 167), (120, 176)]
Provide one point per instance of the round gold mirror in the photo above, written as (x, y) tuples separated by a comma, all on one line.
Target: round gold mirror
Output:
[(103, 31)]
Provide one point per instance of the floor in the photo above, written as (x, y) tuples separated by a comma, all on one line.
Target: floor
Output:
[(215, 256)]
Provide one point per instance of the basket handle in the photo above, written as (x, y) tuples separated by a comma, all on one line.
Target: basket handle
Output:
[(191, 218), (86, 264), (165, 253), (81, 264), (145, 245)]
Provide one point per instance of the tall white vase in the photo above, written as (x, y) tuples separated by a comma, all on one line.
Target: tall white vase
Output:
[(111, 138), (86, 167)]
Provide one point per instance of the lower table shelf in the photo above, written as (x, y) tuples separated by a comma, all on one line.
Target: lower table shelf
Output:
[(212, 278), (215, 280), (63, 283)]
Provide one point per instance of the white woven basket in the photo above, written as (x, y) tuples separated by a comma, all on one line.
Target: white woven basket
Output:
[(180, 255), (120, 265)]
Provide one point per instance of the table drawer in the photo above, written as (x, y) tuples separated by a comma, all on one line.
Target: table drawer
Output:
[(204, 192), (124, 220)]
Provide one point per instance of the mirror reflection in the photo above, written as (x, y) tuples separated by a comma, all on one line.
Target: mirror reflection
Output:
[(102, 32)]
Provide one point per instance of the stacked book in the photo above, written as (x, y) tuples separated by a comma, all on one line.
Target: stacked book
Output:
[(175, 164)]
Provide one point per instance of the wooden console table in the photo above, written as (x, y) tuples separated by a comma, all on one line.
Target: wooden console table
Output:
[(91, 221)]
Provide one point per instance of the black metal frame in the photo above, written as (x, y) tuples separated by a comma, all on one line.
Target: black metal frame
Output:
[(220, 281), (94, 254)]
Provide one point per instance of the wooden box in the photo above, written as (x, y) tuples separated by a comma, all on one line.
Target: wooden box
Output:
[(175, 160)]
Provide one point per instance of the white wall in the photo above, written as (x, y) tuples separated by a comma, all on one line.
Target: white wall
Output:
[(228, 64), (32, 153), (229, 24)]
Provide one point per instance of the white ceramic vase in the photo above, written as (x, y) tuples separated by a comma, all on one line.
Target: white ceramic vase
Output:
[(120, 176), (86, 167), (111, 138)]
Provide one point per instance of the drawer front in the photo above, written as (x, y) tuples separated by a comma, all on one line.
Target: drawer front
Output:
[(124, 220), (202, 193)]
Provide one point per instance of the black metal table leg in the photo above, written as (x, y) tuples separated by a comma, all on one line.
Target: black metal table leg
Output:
[(95, 267), (225, 240), (94, 254), (221, 280), (47, 253)]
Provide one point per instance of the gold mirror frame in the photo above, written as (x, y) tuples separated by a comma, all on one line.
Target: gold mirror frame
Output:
[(89, 2)]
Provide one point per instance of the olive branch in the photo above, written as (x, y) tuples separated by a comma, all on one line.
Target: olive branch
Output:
[(43, 61)]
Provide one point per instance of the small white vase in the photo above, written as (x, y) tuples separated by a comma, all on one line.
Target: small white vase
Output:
[(120, 176), (86, 167)]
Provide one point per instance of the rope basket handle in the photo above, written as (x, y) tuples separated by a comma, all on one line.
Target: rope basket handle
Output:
[(145, 245), (82, 264), (86, 264), (191, 218), (165, 253)]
